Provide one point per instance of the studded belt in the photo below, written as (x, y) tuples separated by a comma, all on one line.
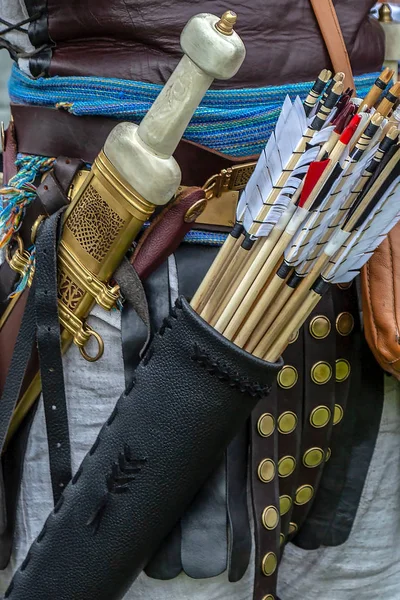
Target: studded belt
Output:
[(294, 434)]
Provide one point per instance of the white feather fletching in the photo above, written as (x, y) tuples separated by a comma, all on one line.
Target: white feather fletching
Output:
[(381, 220), (298, 251), (266, 162), (265, 186), (289, 130), (281, 204)]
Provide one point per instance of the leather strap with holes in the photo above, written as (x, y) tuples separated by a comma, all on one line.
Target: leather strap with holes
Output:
[(50, 358)]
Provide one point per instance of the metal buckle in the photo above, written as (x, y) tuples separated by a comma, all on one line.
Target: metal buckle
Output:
[(234, 178)]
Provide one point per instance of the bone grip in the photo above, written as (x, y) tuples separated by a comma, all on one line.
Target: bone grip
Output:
[(134, 173)]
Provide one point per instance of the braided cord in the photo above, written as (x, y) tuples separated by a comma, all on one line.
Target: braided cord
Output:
[(19, 193), (15, 197)]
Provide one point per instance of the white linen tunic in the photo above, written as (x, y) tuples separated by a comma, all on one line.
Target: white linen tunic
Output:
[(367, 564)]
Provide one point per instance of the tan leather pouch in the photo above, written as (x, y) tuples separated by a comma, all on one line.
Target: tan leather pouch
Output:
[(380, 285), (380, 278)]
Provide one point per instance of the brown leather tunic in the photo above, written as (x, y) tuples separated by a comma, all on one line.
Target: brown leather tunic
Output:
[(139, 39)]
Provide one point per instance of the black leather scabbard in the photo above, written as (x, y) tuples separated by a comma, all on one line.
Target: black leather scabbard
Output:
[(192, 392)]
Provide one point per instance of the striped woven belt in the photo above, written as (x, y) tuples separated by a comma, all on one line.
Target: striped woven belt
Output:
[(237, 122)]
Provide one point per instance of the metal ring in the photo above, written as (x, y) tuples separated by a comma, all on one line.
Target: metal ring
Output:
[(35, 227), (100, 343), (21, 248)]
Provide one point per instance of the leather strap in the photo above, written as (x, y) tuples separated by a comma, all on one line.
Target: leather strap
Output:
[(50, 358), (265, 497), (345, 339), (167, 230), (289, 425), (19, 361), (133, 292), (331, 32), (319, 389), (240, 535), (9, 144), (63, 134), (204, 548)]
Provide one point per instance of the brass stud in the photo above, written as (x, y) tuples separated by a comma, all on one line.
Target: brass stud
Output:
[(337, 414), (343, 369), (282, 538), (293, 528), (320, 416), (287, 377), (269, 563), (266, 425), (321, 372), (385, 13), (345, 286), (320, 327), (295, 337), (286, 466), (266, 470), (328, 454), (303, 494), (285, 504), (313, 457), (344, 323), (226, 23), (269, 597), (270, 517), (287, 422)]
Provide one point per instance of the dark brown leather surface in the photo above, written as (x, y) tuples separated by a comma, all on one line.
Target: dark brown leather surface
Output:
[(83, 137), (291, 400), (8, 336), (9, 153), (315, 395), (139, 39), (50, 198), (264, 495), (381, 308), (165, 233)]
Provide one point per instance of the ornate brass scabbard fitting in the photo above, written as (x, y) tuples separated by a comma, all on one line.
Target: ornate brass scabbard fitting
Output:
[(104, 216)]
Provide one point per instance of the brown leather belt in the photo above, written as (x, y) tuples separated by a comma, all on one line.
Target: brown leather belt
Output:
[(52, 132)]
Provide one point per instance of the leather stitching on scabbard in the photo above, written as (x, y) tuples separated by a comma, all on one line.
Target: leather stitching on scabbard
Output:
[(122, 473), (214, 367)]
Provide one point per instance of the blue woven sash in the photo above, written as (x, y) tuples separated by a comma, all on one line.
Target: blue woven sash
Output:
[(236, 122)]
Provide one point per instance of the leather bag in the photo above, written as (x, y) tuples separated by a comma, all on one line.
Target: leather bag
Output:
[(380, 278), (380, 285)]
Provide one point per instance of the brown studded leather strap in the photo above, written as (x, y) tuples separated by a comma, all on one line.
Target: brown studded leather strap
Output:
[(319, 401), (316, 530), (290, 385), (265, 495)]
